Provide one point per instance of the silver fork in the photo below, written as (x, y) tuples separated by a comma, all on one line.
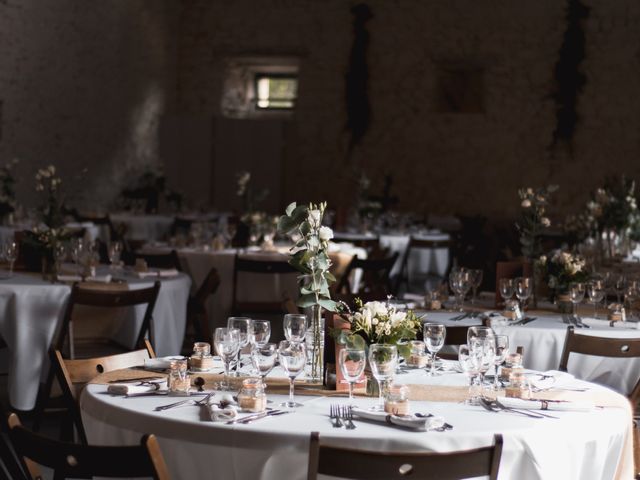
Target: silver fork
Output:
[(334, 415), (347, 414), (202, 401)]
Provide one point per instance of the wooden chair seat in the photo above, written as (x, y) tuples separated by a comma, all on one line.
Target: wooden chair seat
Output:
[(70, 460), (364, 465)]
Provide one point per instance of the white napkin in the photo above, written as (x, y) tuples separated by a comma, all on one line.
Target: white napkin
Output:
[(161, 272), (222, 414), (406, 421), (69, 278), (582, 406), (130, 388), (550, 379), (601, 323), (160, 363), (77, 278)]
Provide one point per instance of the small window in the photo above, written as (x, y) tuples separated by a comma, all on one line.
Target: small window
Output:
[(276, 91)]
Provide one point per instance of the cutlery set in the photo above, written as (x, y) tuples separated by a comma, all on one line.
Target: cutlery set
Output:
[(496, 406), (575, 321), (257, 416), (341, 416)]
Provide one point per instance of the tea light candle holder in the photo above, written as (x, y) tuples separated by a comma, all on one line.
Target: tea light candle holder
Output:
[(251, 397), (396, 401), (179, 380), (201, 360)]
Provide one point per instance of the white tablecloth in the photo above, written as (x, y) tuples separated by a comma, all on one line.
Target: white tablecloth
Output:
[(92, 231), (31, 311), (578, 445), (144, 227), (543, 341)]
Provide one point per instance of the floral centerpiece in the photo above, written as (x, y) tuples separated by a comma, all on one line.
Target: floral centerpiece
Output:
[(560, 270), (43, 241), (310, 256), (7, 190)]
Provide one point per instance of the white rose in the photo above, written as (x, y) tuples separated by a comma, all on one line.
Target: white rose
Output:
[(325, 234), (379, 309), (314, 217), (397, 318), (545, 222), (543, 259), (526, 203)]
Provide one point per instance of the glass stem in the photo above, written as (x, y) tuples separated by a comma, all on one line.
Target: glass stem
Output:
[(595, 311), (380, 390), (351, 391), (575, 309), (227, 366), (433, 365), (291, 400), (495, 378)]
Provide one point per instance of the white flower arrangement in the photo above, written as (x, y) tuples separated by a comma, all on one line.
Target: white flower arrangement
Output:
[(380, 322)]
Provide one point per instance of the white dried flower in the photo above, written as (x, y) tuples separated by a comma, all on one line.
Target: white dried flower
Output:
[(545, 222), (526, 203), (325, 234)]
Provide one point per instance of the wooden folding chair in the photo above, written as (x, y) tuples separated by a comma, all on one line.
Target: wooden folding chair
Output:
[(69, 460), (73, 375), (197, 314), (364, 465), (376, 278)]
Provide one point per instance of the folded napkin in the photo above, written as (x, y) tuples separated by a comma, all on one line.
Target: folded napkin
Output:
[(602, 323), (77, 278), (161, 272), (558, 405), (550, 379), (130, 388), (69, 278), (160, 363), (222, 414), (405, 421)]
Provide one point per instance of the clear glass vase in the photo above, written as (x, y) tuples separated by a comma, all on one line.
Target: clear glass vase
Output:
[(315, 345)]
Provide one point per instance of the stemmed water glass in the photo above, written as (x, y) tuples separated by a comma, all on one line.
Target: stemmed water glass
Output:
[(383, 360), (434, 335), (595, 292), (476, 281), (619, 285), (227, 344), (263, 358), (352, 363), (293, 357), (459, 282), (501, 352), (506, 287), (482, 343), (523, 287), (243, 324), (295, 327), (576, 295), (115, 250), (469, 365), (77, 250), (10, 254), (631, 295), (260, 332)]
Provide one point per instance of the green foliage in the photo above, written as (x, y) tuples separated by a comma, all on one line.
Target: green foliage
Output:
[(533, 220)]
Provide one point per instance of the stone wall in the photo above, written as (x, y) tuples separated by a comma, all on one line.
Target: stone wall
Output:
[(468, 163), (83, 85)]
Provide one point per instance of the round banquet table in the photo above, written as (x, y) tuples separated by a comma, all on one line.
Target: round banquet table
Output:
[(543, 342), (143, 227), (577, 445), (31, 311)]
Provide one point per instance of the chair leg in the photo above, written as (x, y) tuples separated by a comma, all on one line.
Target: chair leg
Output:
[(43, 398)]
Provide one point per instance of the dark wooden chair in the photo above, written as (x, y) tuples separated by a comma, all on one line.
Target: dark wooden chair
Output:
[(181, 226), (197, 312), (96, 298), (262, 267), (416, 243), (364, 465), (376, 278), (70, 460), (154, 260), (601, 347), (73, 375)]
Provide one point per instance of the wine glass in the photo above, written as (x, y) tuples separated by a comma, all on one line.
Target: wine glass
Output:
[(434, 335), (293, 357), (295, 327), (576, 295), (227, 344), (243, 324), (505, 285), (383, 360), (352, 363), (469, 366), (10, 252), (619, 285), (630, 296), (476, 281), (478, 332), (261, 332), (595, 291), (501, 352), (483, 349), (263, 358), (523, 288), (115, 250), (77, 250)]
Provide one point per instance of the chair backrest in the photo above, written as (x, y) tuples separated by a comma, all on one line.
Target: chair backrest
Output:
[(154, 260), (181, 226), (81, 461), (417, 243), (262, 267), (364, 465), (110, 299), (73, 375), (601, 347), (197, 312), (376, 277), (208, 287), (100, 220)]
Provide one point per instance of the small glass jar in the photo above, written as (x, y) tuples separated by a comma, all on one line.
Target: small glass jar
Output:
[(518, 386), (251, 397), (396, 400), (512, 364), (201, 359), (179, 379), (616, 313), (512, 310), (417, 355), (433, 300)]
